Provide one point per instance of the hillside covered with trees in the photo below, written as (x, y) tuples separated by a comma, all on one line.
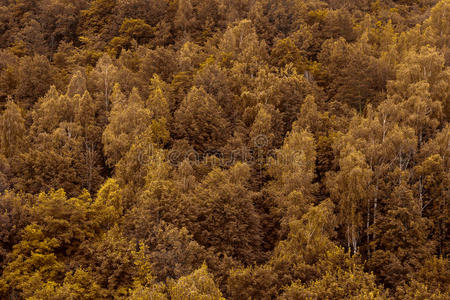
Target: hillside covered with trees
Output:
[(224, 149)]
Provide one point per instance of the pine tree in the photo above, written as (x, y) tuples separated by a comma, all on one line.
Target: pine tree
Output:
[(69, 221), (221, 214), (173, 251), (12, 130), (198, 285), (113, 261), (184, 15), (401, 244), (31, 263), (14, 216), (200, 120)]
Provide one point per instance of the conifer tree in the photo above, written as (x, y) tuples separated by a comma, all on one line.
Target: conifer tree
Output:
[(200, 120), (198, 285), (235, 231), (394, 260), (12, 129)]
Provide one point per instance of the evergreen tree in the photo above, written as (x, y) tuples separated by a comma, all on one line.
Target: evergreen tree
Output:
[(200, 120), (198, 285), (12, 128)]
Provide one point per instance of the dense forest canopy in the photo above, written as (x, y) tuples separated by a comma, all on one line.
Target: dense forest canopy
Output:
[(224, 149)]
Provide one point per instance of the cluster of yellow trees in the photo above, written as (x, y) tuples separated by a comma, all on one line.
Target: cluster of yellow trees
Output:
[(224, 149)]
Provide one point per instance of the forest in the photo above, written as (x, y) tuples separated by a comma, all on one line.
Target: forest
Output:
[(224, 149)]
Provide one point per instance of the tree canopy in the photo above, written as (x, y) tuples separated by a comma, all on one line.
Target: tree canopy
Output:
[(224, 149)]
